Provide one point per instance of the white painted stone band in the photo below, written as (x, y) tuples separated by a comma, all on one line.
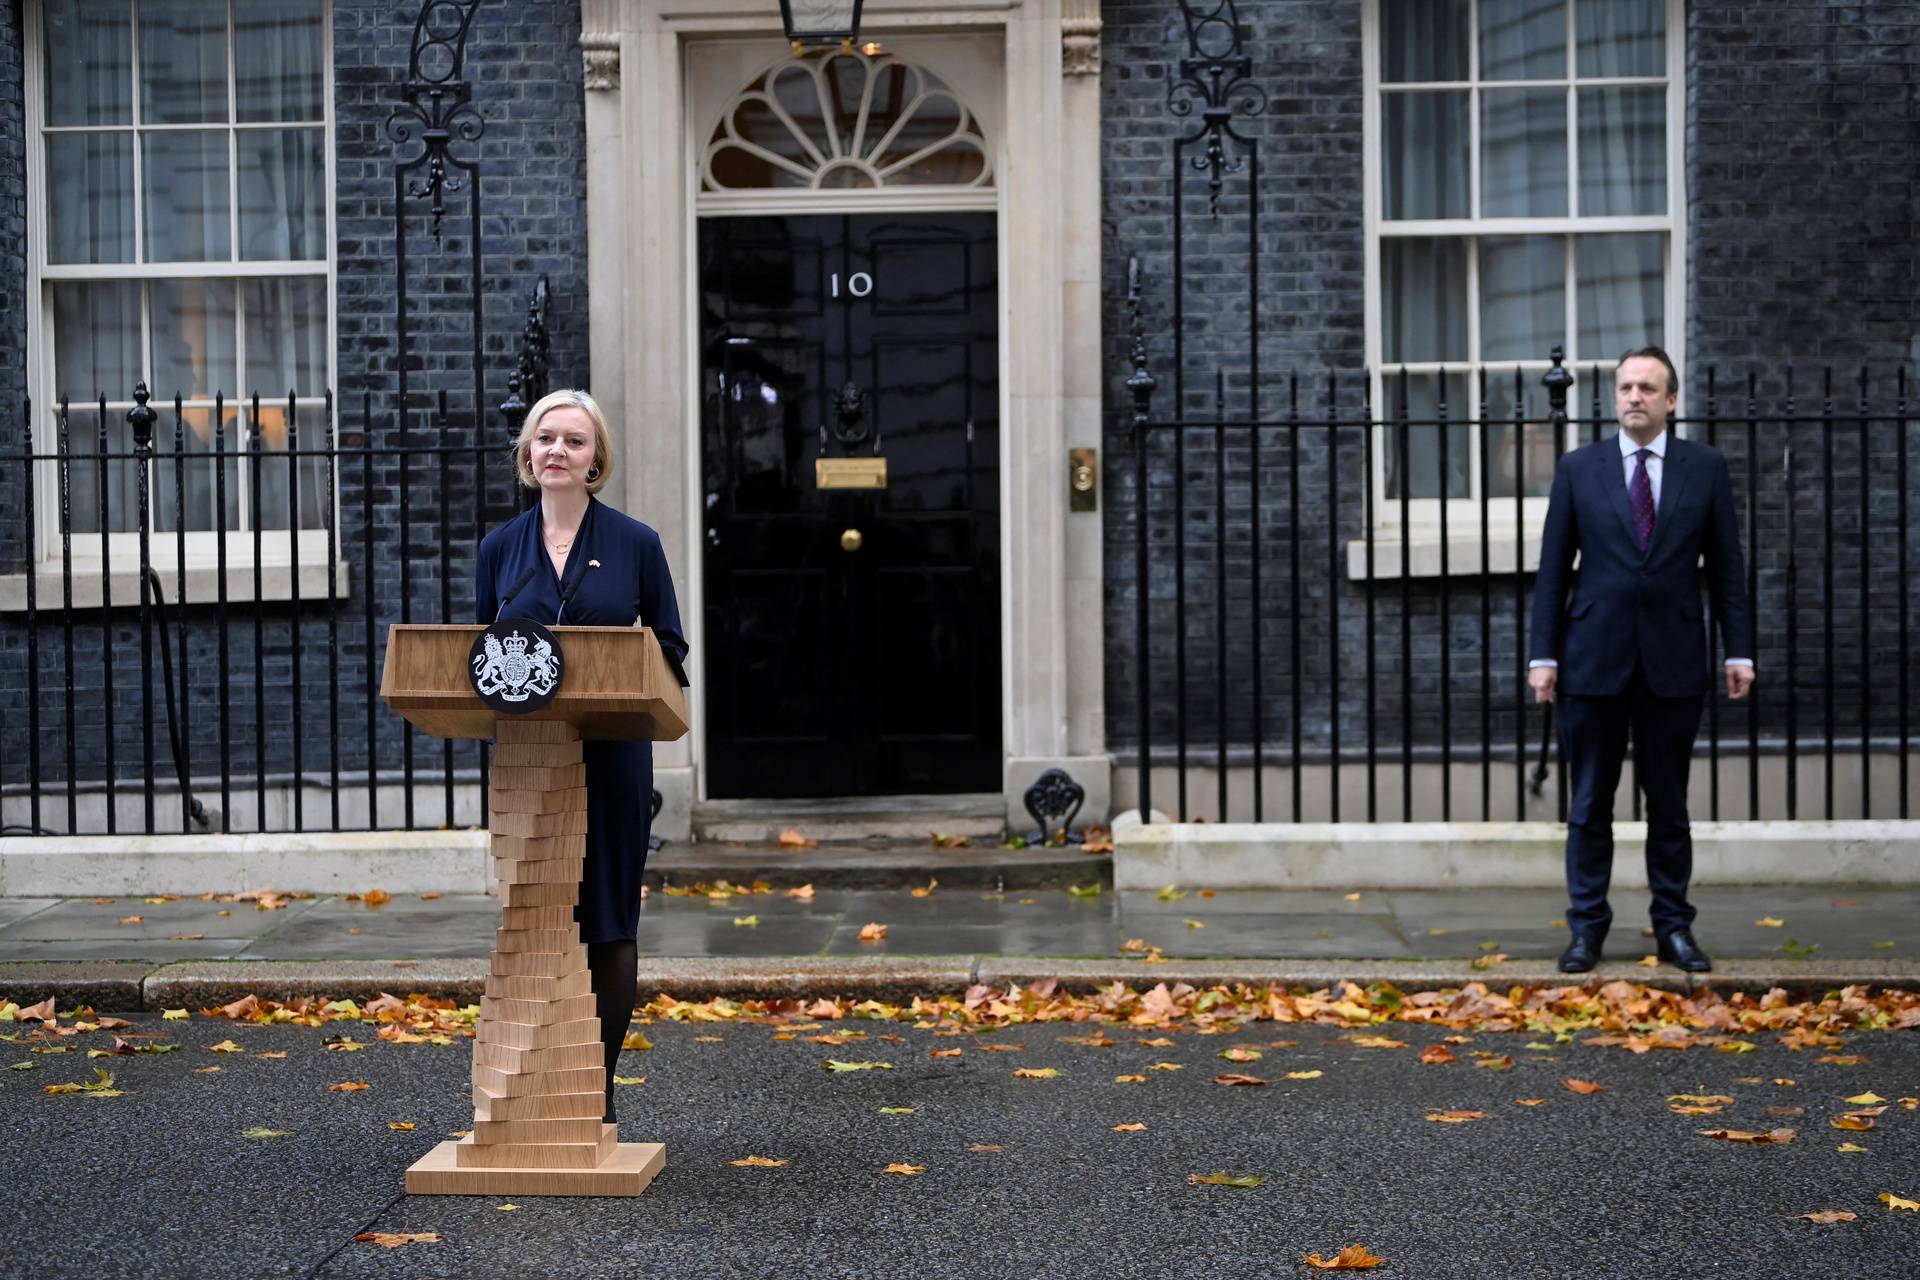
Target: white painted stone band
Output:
[(1441, 855)]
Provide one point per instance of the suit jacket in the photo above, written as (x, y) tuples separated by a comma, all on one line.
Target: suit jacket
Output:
[(1624, 606)]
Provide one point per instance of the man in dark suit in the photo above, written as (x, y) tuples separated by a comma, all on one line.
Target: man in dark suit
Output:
[(1628, 652)]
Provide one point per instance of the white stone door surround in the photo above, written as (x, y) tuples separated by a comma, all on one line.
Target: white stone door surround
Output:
[(641, 153)]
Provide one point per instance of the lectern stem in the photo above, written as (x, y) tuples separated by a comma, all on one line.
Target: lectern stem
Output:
[(539, 1082)]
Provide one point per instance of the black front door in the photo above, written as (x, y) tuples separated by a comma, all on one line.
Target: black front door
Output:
[(853, 639)]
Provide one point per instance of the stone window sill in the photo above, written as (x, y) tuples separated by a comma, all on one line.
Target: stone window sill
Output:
[(278, 575), (1421, 553)]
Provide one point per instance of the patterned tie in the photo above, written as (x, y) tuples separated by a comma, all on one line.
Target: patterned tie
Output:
[(1640, 493)]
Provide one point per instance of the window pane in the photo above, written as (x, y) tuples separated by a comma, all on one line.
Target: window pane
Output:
[(1523, 39), (1523, 153), (271, 480), (1423, 40), (186, 196), (1623, 150), (287, 336), (1536, 434), (1622, 37), (1523, 297), (1423, 292), (1415, 450), (96, 339), (1621, 281), (1425, 165), (191, 469), (282, 194), (89, 61), (122, 514), (193, 328), (277, 59), (90, 197), (183, 62)]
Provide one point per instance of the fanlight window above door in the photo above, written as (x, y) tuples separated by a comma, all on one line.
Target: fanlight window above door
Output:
[(846, 121)]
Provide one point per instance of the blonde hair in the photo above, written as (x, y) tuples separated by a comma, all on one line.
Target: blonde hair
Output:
[(565, 398)]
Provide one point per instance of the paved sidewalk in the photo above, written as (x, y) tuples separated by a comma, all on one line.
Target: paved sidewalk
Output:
[(136, 951)]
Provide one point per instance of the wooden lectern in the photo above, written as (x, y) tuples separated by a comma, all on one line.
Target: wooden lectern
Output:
[(538, 1065)]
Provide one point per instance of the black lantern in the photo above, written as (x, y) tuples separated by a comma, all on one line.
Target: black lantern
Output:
[(821, 22)]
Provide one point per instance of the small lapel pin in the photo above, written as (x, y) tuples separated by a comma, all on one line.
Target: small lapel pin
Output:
[(593, 564)]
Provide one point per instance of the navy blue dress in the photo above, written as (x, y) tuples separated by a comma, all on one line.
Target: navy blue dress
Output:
[(621, 573)]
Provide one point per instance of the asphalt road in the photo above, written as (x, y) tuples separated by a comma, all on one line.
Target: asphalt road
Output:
[(160, 1182)]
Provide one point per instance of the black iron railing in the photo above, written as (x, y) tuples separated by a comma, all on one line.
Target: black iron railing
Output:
[(1294, 638)]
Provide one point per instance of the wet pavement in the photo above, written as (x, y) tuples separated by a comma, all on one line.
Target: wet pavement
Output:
[(1022, 1177), (1757, 923)]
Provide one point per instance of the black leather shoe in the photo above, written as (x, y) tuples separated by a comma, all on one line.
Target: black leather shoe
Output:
[(1581, 954), (1680, 950)]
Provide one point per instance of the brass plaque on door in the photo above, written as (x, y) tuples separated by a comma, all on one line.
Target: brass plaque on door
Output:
[(850, 473)]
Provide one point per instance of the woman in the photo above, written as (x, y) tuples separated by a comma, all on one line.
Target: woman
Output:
[(592, 567)]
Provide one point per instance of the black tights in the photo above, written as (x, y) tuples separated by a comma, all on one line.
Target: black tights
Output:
[(611, 965)]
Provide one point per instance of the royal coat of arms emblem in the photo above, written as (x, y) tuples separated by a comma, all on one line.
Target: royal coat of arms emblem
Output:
[(516, 666)]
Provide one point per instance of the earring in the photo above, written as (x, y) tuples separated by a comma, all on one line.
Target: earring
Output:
[(593, 473)]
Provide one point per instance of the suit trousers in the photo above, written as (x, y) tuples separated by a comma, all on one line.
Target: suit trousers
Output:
[(1593, 741)]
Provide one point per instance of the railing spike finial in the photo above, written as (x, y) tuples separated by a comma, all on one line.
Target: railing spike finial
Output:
[(1559, 381), (141, 418), (1140, 383)]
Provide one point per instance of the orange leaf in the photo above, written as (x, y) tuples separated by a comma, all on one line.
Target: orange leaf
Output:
[(1581, 1086), (986, 1146), (1435, 1055), (1853, 1122), (1686, 1109), (926, 892), (757, 1162), (1530, 1102), (905, 1170), (393, 1240), (1828, 1216), (794, 840), (400, 1126), (1003, 1048), (348, 1086), (131, 920), (1129, 1128), (804, 893), (873, 933), (377, 898), (1772, 1137), (945, 1053), (1129, 1079), (1352, 1258), (1842, 1060), (1456, 1117), (1229, 1077)]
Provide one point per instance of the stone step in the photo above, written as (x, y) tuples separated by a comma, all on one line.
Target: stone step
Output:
[(982, 864), (851, 819)]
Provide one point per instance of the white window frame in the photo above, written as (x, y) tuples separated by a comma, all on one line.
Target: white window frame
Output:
[(1417, 546), (284, 554)]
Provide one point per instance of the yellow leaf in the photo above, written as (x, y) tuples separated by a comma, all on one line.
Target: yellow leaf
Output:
[(506, 1208), (1769, 922), (1305, 1075), (927, 891), (1456, 1117), (1772, 1137), (400, 1126), (636, 1040), (629, 1079), (896, 1111), (1036, 1073), (1158, 1042), (261, 1131), (1172, 893), (132, 920), (1225, 1179), (1134, 944), (905, 1170), (1241, 1055), (204, 1071), (1129, 1079), (1853, 1122), (225, 1046), (1898, 1202), (1164, 1066), (1352, 1258), (1701, 1099), (1084, 890), (1129, 1128), (709, 1039), (1353, 897), (873, 933), (1650, 962), (348, 1086), (1850, 1148), (746, 922), (173, 1015), (1488, 962), (1530, 1102), (986, 1146), (758, 1162), (1379, 1042), (1866, 1099)]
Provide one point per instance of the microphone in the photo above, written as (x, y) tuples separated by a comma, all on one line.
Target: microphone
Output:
[(513, 591), (567, 590)]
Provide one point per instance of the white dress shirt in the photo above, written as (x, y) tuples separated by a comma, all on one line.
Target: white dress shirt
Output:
[(1656, 471)]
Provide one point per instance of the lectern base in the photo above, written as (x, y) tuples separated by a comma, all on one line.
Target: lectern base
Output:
[(624, 1173)]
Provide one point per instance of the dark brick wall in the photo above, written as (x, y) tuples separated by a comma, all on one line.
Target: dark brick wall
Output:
[(524, 62), (1802, 123), (1803, 137)]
